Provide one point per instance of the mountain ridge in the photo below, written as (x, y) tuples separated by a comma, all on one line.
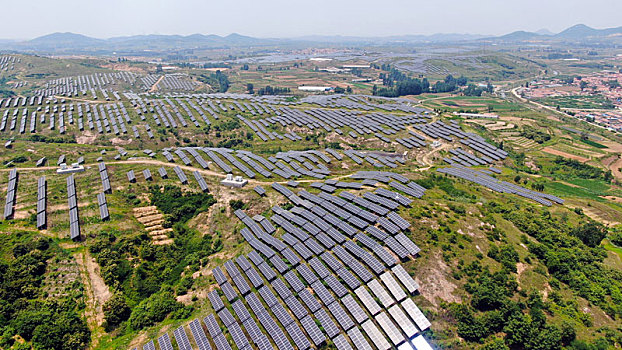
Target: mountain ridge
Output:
[(74, 42)]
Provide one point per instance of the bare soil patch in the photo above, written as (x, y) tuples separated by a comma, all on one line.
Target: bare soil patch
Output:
[(435, 286), (556, 152), (86, 138)]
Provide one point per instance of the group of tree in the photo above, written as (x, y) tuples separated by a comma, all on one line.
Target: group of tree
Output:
[(499, 315), (532, 133), (144, 291), (45, 323), (340, 90), (269, 90), (217, 80), (395, 84), (575, 168), (449, 84), (473, 90)]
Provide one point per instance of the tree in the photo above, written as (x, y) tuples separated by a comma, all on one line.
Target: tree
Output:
[(251, 88), (591, 233), (116, 310), (495, 344), (159, 68), (236, 204)]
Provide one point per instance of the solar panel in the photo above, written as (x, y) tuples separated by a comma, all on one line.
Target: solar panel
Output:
[(358, 339), (299, 338), (306, 273), (281, 314), (240, 310), (341, 343), (327, 323), (319, 268), (402, 320), (230, 293), (215, 300), (279, 264), (149, 346), (381, 293), (354, 308), (281, 289), (416, 314), (182, 338), (389, 328), (393, 286), (336, 286), (325, 296), (420, 343), (225, 317), (165, 342), (243, 262), (212, 325), (268, 296), (375, 335), (275, 332), (242, 285), (411, 285), (267, 271), (309, 300), (238, 336), (340, 315), (349, 278), (221, 342), (296, 307), (367, 300), (314, 332), (294, 281), (219, 275)]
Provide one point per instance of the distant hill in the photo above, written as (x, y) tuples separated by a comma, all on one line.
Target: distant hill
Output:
[(519, 36), (63, 40), (581, 31), (438, 38), (154, 43), (544, 31)]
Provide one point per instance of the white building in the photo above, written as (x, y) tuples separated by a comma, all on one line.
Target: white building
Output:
[(231, 181), (315, 88)]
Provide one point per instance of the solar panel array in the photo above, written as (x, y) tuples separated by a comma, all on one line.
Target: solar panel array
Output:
[(103, 174), (74, 222), (104, 214), (11, 195), (41, 203), (284, 290), (490, 182)]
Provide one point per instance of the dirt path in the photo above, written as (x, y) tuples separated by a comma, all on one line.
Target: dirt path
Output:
[(170, 165), (154, 87), (96, 290), (615, 169), (425, 159), (555, 152)]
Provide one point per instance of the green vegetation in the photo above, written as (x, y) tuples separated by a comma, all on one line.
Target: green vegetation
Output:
[(592, 143), (574, 168), (501, 315), (532, 133), (577, 102), (25, 310), (219, 81), (177, 205)]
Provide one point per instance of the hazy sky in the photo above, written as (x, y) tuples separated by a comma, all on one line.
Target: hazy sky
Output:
[(291, 18)]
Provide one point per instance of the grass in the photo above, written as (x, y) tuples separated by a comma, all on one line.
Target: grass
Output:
[(576, 102), (612, 247), (593, 143)]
